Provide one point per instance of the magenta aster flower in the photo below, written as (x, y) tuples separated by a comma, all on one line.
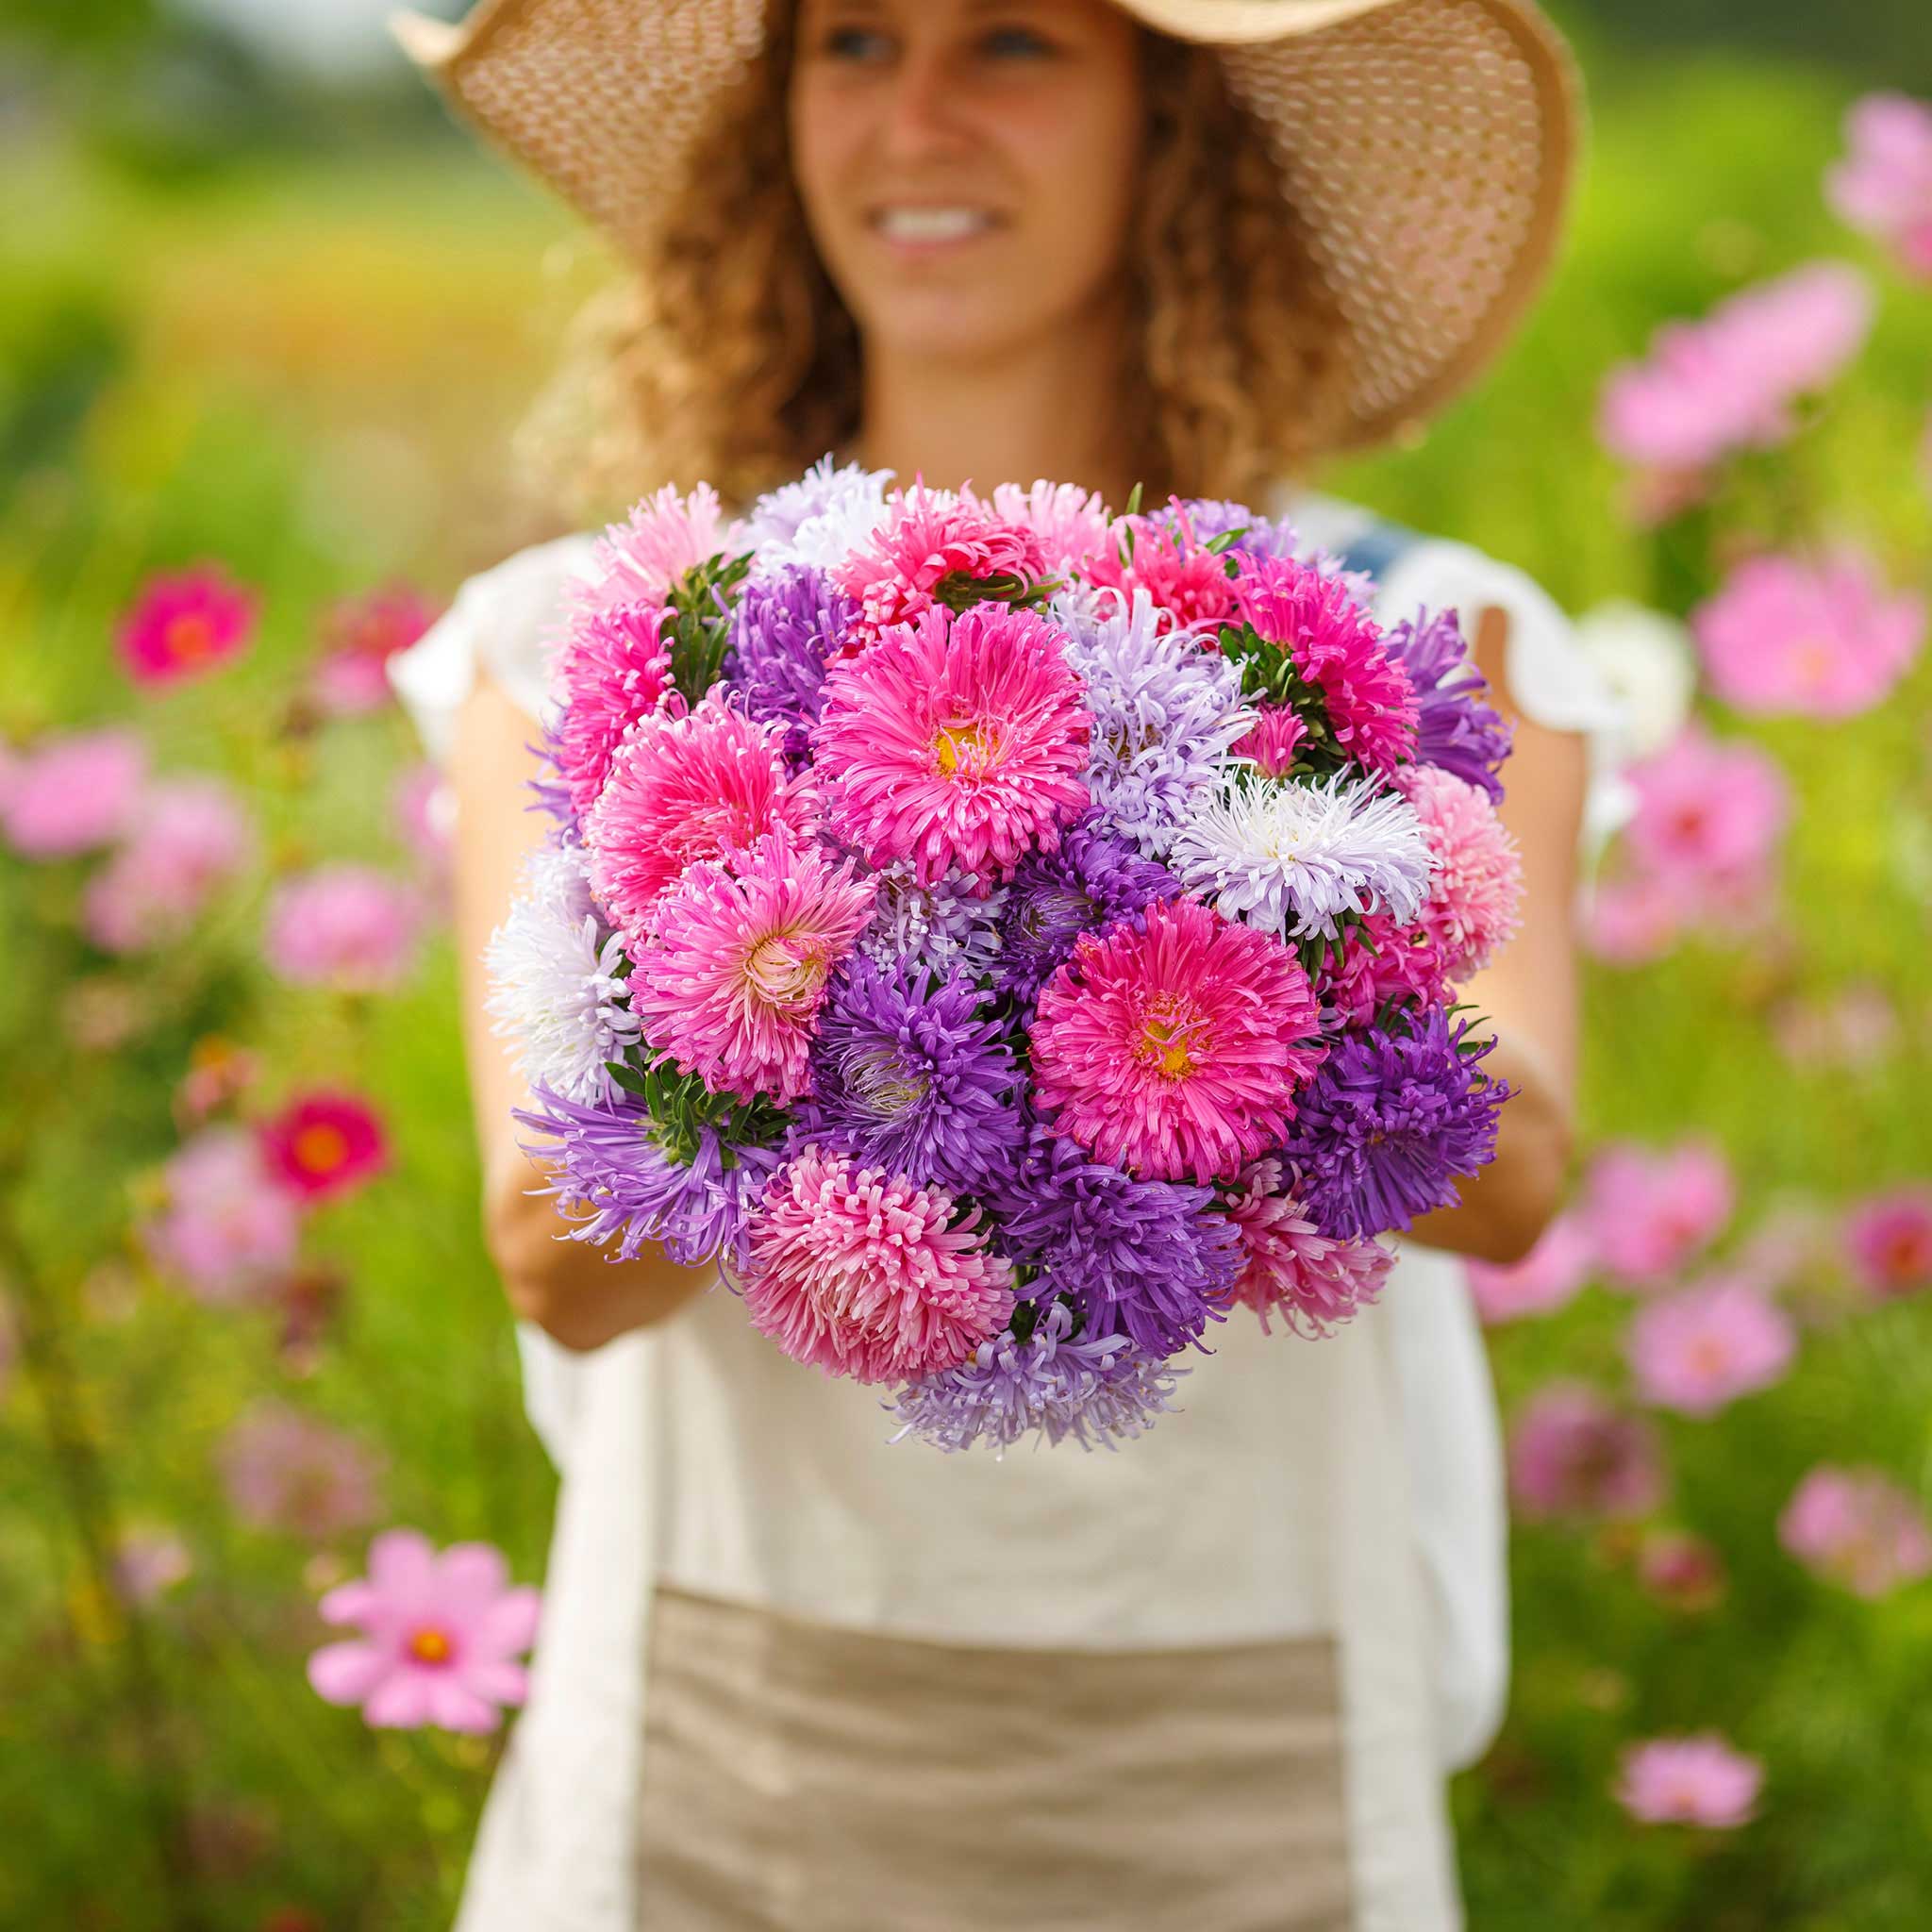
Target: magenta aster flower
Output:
[(72, 791), (1186, 583), (858, 1272), (184, 624), (325, 1144), (1858, 1528), (1574, 1452), (730, 979), (1277, 735), (440, 1636), (637, 561), (611, 670), (1476, 884), (958, 742), (1377, 962), (1698, 1782), (1290, 1267), (1174, 1046), (1888, 1240), (349, 927)]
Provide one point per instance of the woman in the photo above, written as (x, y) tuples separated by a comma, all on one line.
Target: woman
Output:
[(791, 1677)]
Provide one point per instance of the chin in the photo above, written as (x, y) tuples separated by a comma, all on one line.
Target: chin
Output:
[(952, 325)]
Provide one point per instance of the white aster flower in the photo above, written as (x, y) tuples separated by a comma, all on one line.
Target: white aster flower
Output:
[(819, 520), (1291, 858)]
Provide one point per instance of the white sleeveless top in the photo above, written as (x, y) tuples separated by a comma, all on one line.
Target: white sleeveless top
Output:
[(1351, 1487)]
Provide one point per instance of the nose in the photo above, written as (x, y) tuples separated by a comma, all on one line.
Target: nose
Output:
[(924, 113)]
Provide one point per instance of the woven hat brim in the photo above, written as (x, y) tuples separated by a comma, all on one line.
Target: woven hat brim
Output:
[(1430, 147)]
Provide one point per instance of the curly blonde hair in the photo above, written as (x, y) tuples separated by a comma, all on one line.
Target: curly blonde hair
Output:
[(729, 356)]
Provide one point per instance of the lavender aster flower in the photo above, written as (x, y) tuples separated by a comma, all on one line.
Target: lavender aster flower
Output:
[(783, 634), (910, 1075), (819, 518), (1212, 517), (1094, 879), (1389, 1123), (938, 926), (1457, 728), (1095, 1388), (612, 1178), (1152, 1260), (1291, 858)]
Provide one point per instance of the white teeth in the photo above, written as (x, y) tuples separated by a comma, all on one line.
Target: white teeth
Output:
[(932, 224)]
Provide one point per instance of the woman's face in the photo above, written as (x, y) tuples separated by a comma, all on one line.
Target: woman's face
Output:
[(967, 167)]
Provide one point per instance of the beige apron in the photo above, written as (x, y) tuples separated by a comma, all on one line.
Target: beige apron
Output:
[(801, 1776)]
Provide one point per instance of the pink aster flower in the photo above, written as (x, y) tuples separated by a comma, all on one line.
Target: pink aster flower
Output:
[(71, 792), (192, 838), (1858, 1528), (1547, 1278), (346, 927), (1174, 1046), (958, 742), (1337, 647), (1648, 1212), (1821, 641), (611, 670), (1888, 1240), (1702, 1347), (859, 1272), (183, 624), (359, 635), (286, 1471), (732, 975), (440, 1636), (933, 548), (1698, 1782), (230, 1230), (1277, 736), (638, 560), (1290, 1267), (1709, 817), (1475, 885), (1381, 961), (1573, 1452), (1883, 186), (1071, 524), (700, 786), (1186, 583), (325, 1144)]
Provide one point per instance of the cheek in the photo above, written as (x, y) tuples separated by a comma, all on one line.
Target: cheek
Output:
[(1086, 168), (822, 141)]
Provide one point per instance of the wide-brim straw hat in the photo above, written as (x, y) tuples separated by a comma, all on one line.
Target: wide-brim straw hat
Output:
[(1428, 146)]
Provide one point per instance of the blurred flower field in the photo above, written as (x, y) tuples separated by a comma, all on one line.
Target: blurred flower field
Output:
[(255, 425)]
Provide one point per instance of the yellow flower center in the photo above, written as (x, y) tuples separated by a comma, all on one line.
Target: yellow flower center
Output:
[(430, 1647), (189, 637), (782, 972), (320, 1148), (964, 748), (1171, 1031)]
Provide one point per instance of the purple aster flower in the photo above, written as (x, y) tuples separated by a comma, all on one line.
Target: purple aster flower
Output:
[(614, 1180), (1391, 1121), (1149, 1260), (1094, 879), (908, 1074), (1212, 517), (1457, 727), (1095, 1388), (784, 630)]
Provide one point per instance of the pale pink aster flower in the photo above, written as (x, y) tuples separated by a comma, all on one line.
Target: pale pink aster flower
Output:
[(701, 786), (192, 836), (1174, 1046), (1573, 1452), (1476, 884), (1698, 1780), (1889, 1240), (440, 1636), (230, 1230), (859, 1272), (1291, 1268), (1819, 641), (286, 1471), (1649, 1211), (183, 624), (1071, 524), (349, 927), (149, 1561), (1636, 917), (360, 634), (734, 971), (1858, 1528), (1701, 1348), (1883, 186), (1547, 1278), (956, 742), (71, 792), (1709, 814), (639, 560)]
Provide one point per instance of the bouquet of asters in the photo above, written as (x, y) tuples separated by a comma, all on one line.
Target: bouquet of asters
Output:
[(1006, 936)]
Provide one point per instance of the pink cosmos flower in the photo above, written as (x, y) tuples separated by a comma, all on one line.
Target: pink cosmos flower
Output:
[(322, 1146), (1294, 1269), (1697, 1780), (1682, 1571), (1648, 1212), (1883, 187), (1636, 917), (1275, 741), (230, 1230), (70, 792), (1186, 583), (1702, 1347), (661, 538), (192, 838), (1071, 523), (349, 927), (1380, 961), (958, 742), (1174, 1046), (1475, 885), (1858, 1528), (149, 1561), (184, 624), (360, 634), (732, 975), (859, 1272), (1337, 647), (1574, 1452), (423, 809), (1547, 1278), (611, 670), (286, 1471), (1889, 1240), (1728, 382), (441, 1634), (700, 786), (1820, 640), (1709, 814), (1853, 1027)]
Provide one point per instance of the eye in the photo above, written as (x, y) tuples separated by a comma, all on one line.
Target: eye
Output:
[(1007, 41), (854, 43)]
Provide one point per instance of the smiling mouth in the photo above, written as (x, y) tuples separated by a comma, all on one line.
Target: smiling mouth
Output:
[(932, 227)]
